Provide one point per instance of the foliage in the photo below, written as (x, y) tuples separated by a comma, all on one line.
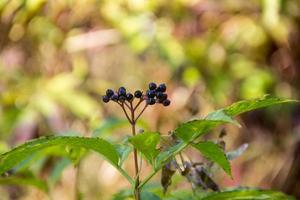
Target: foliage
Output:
[(147, 142)]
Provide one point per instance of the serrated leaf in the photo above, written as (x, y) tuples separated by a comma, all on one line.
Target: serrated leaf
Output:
[(246, 194), (214, 153), (191, 130), (15, 156), (248, 105), (30, 181), (146, 143)]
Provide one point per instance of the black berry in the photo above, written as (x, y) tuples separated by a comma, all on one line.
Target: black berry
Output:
[(129, 97), (122, 91), (105, 99), (166, 102), (159, 95), (151, 93), (138, 94), (122, 98), (109, 93), (161, 88), (115, 97), (152, 86), (151, 101)]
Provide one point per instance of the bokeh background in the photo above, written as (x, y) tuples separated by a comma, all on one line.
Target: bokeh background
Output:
[(58, 56)]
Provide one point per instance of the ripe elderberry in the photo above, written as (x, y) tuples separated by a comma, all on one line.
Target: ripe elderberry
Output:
[(105, 98), (166, 102), (122, 91), (129, 97), (155, 94), (151, 93), (109, 93), (115, 97), (138, 94), (152, 86), (161, 88), (151, 101)]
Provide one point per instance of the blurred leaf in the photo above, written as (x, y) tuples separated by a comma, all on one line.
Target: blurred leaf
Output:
[(123, 150), (57, 170), (146, 143), (245, 194), (30, 181), (214, 153), (248, 105), (149, 196), (75, 153), (109, 125), (18, 154), (237, 152), (193, 129)]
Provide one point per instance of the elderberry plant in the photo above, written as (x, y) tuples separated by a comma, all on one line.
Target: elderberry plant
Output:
[(163, 152), (154, 95)]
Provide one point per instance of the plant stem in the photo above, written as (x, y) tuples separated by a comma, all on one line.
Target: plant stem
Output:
[(137, 178), (136, 165)]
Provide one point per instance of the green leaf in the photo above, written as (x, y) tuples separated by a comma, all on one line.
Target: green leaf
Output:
[(10, 159), (15, 156), (191, 130), (214, 153), (30, 181), (146, 143), (246, 194), (248, 105), (164, 156), (123, 150)]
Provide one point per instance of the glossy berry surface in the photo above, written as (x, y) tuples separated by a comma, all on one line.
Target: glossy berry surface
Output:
[(151, 101), (122, 91), (115, 97), (105, 98), (122, 98), (166, 102), (138, 94), (156, 94), (109, 93), (151, 93), (161, 88), (152, 86), (129, 97)]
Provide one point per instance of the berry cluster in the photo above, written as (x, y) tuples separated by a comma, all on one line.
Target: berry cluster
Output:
[(155, 94)]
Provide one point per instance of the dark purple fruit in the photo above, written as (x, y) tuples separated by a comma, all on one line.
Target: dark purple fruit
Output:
[(151, 93), (138, 94), (122, 98), (129, 97), (166, 102), (115, 97), (105, 99), (161, 88), (152, 86), (151, 101), (122, 91), (109, 93)]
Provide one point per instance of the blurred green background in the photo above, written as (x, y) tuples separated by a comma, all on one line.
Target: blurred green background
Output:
[(58, 56)]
